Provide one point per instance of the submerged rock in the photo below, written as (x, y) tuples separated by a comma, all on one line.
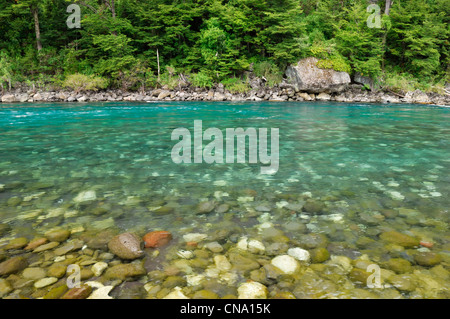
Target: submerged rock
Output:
[(81, 292), (252, 290), (427, 259), (5, 287), (126, 246), (206, 207), (44, 282), (58, 235), (13, 265), (399, 265), (124, 271), (287, 264), (85, 196), (156, 239), (399, 239), (319, 255), (299, 254), (313, 206), (176, 293), (17, 243), (34, 273)]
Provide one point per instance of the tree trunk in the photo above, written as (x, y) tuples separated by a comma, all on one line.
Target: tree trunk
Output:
[(387, 10), (157, 58), (388, 6), (35, 12), (113, 9)]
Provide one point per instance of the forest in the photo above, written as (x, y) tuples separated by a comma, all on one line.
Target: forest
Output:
[(138, 44)]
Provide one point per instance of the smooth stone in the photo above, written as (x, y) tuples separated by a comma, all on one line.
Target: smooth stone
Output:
[(85, 197), (255, 246), (157, 239), (287, 264), (174, 281), (313, 206), (176, 293), (17, 243), (313, 240), (71, 245), (399, 265), (126, 246), (242, 263), (57, 270), (206, 207), (57, 235), (81, 292), (98, 268), (5, 287), (299, 254), (44, 282), (164, 210), (34, 273), (205, 294), (124, 271), (404, 282), (101, 293), (252, 290), (427, 259), (13, 265), (56, 292), (359, 276), (399, 239), (222, 263), (242, 244), (194, 237), (319, 255), (342, 262), (214, 246), (185, 254), (45, 247), (34, 243), (222, 208)]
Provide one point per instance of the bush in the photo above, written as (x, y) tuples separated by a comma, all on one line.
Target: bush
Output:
[(201, 80), (269, 71), (80, 82), (235, 85)]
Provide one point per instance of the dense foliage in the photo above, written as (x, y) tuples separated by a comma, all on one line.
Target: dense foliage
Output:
[(135, 44)]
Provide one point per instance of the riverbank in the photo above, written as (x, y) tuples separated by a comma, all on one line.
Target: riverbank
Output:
[(283, 92)]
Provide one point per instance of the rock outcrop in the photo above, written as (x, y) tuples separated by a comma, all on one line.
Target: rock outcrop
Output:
[(306, 76)]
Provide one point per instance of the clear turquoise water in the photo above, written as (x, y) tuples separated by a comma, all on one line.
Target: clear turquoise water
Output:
[(370, 156)]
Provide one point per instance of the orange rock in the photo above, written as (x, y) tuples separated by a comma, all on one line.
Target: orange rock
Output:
[(156, 239), (36, 243), (426, 244), (78, 293), (192, 244)]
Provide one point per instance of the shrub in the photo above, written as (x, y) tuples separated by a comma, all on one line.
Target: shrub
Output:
[(235, 85), (269, 71), (201, 80), (80, 82)]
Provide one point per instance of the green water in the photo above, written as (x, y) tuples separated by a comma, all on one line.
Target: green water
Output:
[(360, 158)]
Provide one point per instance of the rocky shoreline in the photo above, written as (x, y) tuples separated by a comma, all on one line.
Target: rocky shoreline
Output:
[(283, 92)]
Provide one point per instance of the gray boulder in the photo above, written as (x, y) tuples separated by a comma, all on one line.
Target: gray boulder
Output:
[(417, 96), (306, 76), (8, 98)]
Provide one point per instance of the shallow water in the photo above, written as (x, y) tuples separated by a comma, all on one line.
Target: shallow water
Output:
[(358, 158)]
